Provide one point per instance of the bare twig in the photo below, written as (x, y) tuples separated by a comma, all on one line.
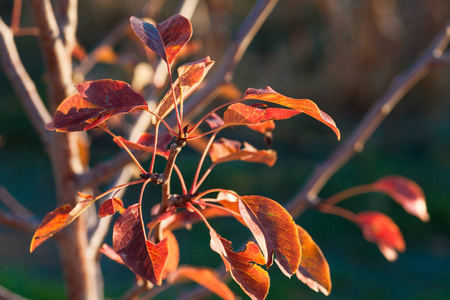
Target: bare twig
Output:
[(21, 223), (22, 83), (371, 121), (13, 204)]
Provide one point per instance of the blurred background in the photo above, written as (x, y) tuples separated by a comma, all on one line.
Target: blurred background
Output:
[(341, 54)]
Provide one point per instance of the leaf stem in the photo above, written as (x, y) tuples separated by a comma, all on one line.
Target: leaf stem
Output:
[(350, 192), (155, 145), (164, 123), (218, 207), (179, 121), (200, 215), (202, 159), (175, 148), (338, 211)]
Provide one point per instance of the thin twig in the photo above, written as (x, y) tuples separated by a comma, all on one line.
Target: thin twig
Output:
[(13, 221), (13, 204), (371, 121), (22, 83)]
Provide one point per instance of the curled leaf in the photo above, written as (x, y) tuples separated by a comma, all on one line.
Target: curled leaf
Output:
[(206, 277), (143, 257), (314, 270), (96, 102), (110, 207), (243, 266), (51, 223), (381, 230), (405, 192), (224, 150), (301, 105), (274, 230), (166, 38)]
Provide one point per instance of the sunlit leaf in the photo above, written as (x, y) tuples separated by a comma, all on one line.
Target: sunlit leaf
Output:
[(206, 277), (224, 150), (143, 257), (243, 266), (190, 76), (96, 102), (110, 207), (146, 143), (52, 221), (105, 54), (381, 230), (405, 192), (241, 114), (301, 105), (274, 230), (166, 38), (314, 270), (111, 254)]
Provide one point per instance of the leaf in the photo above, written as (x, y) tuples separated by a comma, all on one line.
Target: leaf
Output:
[(111, 254), (106, 54), (224, 150), (96, 102), (405, 192), (314, 270), (214, 121), (243, 267), (264, 127), (190, 76), (274, 230), (146, 143), (110, 207), (52, 221), (143, 257), (302, 105), (381, 230), (173, 257), (166, 38), (241, 114), (206, 277)]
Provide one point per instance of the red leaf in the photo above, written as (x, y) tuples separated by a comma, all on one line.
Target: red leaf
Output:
[(173, 258), (264, 127), (166, 38), (243, 267), (241, 114), (406, 192), (190, 76), (381, 230), (111, 254), (146, 143), (302, 105), (143, 257), (110, 207), (224, 150), (205, 277), (52, 221), (274, 230), (314, 270), (96, 102)]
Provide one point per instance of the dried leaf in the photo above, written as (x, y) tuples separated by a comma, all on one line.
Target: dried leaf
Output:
[(314, 270), (96, 102), (302, 105), (243, 267), (274, 230), (52, 221), (110, 207), (190, 76), (224, 150), (206, 277), (381, 230), (405, 192), (143, 257), (166, 38)]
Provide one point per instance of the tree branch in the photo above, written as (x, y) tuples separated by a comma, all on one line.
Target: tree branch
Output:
[(22, 83), (6, 294), (16, 222), (371, 121)]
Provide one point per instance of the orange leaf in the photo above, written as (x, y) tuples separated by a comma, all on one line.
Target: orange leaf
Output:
[(190, 76), (52, 222), (106, 54), (302, 105), (143, 257), (274, 230), (381, 230), (174, 253), (314, 270), (243, 267), (166, 38), (224, 150), (241, 114), (96, 102), (110, 207), (111, 254), (205, 277), (405, 192)]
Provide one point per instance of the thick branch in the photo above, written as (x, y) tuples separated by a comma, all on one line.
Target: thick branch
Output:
[(371, 121), (22, 83)]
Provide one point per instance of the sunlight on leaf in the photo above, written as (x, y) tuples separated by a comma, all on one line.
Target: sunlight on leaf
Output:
[(405, 192), (241, 114), (243, 266), (146, 143), (314, 270), (274, 230), (52, 223), (110, 207), (381, 230)]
